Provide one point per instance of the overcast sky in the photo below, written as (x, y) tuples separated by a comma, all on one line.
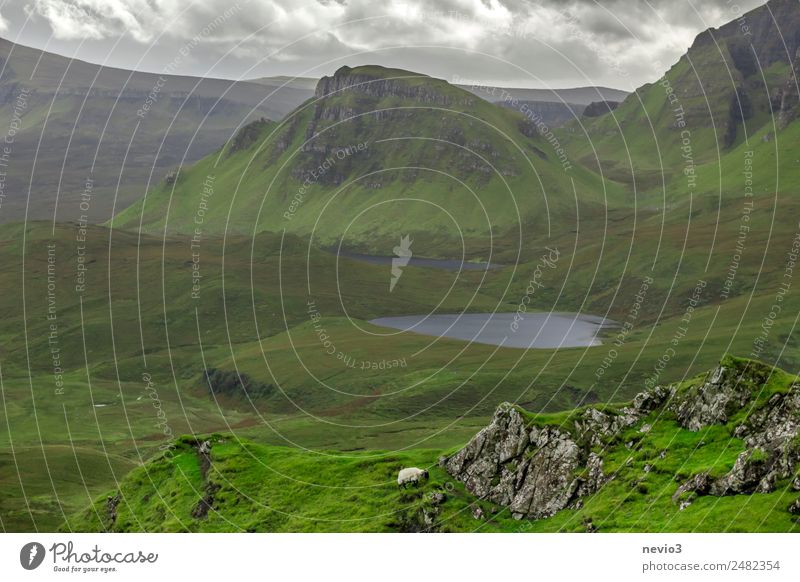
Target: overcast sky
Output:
[(535, 43)]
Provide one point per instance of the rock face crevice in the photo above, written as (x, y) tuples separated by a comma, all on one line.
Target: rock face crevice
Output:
[(210, 489)]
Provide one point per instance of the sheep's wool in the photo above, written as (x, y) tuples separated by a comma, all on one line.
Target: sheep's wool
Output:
[(409, 475)]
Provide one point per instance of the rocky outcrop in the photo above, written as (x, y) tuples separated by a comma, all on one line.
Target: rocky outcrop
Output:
[(599, 427), (537, 471), (725, 392), (772, 453), (773, 449), (206, 501), (377, 82), (248, 135), (534, 471), (786, 100), (112, 501), (598, 108)]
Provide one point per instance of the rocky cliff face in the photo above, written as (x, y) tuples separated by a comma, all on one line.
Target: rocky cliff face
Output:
[(536, 471), (785, 100), (377, 83), (350, 92)]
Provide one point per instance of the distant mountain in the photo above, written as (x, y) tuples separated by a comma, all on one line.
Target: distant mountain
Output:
[(81, 127), (578, 95), (735, 82), (377, 154), (301, 83), (552, 113)]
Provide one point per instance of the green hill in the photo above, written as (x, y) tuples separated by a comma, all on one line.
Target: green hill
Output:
[(377, 153), (734, 85)]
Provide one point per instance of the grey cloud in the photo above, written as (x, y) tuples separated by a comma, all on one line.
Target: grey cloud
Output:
[(556, 42)]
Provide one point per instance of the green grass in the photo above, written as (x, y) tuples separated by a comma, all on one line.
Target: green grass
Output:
[(283, 489)]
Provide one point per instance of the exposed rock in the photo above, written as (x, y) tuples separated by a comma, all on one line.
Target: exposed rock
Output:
[(723, 393), (595, 478), (171, 177), (248, 135), (786, 99), (794, 508), (775, 423), (437, 498), (749, 474), (111, 509), (598, 427), (376, 84), (770, 435), (700, 484), (647, 401), (535, 471), (206, 503), (477, 513), (773, 451), (429, 517), (598, 108), (204, 457)]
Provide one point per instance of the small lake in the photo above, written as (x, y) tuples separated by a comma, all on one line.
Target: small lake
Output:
[(446, 264), (535, 330)]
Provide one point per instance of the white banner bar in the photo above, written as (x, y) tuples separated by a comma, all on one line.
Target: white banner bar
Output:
[(401, 557)]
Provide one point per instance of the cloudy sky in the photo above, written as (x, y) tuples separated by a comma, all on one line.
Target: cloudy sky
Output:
[(535, 43)]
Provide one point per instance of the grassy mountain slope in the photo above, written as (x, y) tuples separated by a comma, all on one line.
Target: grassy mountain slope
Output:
[(433, 161), (75, 121), (731, 83), (243, 486)]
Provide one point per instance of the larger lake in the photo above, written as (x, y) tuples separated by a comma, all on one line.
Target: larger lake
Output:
[(535, 330)]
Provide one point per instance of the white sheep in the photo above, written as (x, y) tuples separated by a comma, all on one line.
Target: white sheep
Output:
[(411, 475)]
